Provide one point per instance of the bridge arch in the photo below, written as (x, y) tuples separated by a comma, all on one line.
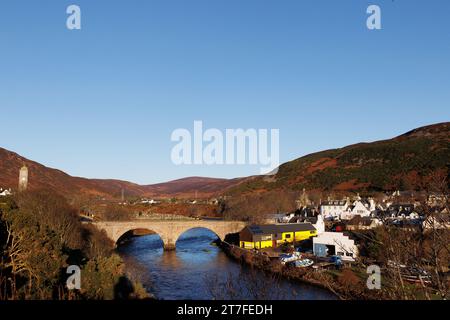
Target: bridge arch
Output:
[(197, 228), (137, 232)]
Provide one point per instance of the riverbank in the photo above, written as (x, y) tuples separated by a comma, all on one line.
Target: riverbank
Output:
[(346, 284)]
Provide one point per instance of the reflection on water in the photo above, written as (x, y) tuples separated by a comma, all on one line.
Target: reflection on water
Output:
[(196, 266)]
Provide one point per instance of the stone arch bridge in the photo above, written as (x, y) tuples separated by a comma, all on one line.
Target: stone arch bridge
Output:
[(169, 230)]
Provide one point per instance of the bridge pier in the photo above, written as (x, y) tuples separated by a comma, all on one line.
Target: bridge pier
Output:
[(169, 240), (170, 246)]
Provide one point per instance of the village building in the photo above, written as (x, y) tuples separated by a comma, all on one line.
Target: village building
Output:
[(346, 209), (402, 195), (333, 209), (213, 201), (276, 218), (435, 199), (315, 219), (381, 207), (319, 224), (274, 235), (5, 192), (307, 211), (437, 221), (360, 208), (329, 244), (402, 211), (363, 223), (149, 201)]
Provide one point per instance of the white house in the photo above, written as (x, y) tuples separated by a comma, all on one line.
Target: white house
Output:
[(438, 221), (5, 192), (358, 208), (335, 244), (320, 224), (366, 223), (413, 216), (333, 208), (277, 218), (152, 201)]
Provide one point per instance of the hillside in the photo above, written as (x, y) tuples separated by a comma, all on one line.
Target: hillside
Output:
[(399, 163), (403, 162), (189, 186), (42, 177)]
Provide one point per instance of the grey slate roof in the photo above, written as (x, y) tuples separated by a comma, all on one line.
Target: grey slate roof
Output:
[(339, 203), (280, 228)]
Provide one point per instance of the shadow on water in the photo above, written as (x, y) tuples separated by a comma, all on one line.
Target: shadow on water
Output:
[(198, 268)]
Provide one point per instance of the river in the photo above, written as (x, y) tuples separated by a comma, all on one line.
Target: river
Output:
[(199, 270)]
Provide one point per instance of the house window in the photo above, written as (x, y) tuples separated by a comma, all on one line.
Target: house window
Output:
[(349, 254), (340, 254)]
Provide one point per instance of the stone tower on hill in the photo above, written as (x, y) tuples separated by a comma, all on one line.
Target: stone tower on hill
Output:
[(23, 178)]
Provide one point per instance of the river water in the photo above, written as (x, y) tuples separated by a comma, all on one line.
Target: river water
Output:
[(199, 270)]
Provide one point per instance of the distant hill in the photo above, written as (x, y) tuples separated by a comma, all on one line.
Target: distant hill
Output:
[(42, 177), (398, 163), (191, 185)]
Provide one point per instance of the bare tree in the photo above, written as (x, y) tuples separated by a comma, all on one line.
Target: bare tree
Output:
[(247, 284)]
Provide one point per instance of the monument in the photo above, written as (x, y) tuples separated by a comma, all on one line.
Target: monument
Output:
[(23, 178)]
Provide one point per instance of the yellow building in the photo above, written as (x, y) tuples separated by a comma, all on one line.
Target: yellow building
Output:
[(274, 235)]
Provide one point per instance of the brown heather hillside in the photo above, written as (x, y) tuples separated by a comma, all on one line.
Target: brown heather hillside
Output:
[(404, 162), (187, 187), (42, 177)]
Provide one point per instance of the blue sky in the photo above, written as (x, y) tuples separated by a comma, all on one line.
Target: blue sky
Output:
[(103, 101)]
